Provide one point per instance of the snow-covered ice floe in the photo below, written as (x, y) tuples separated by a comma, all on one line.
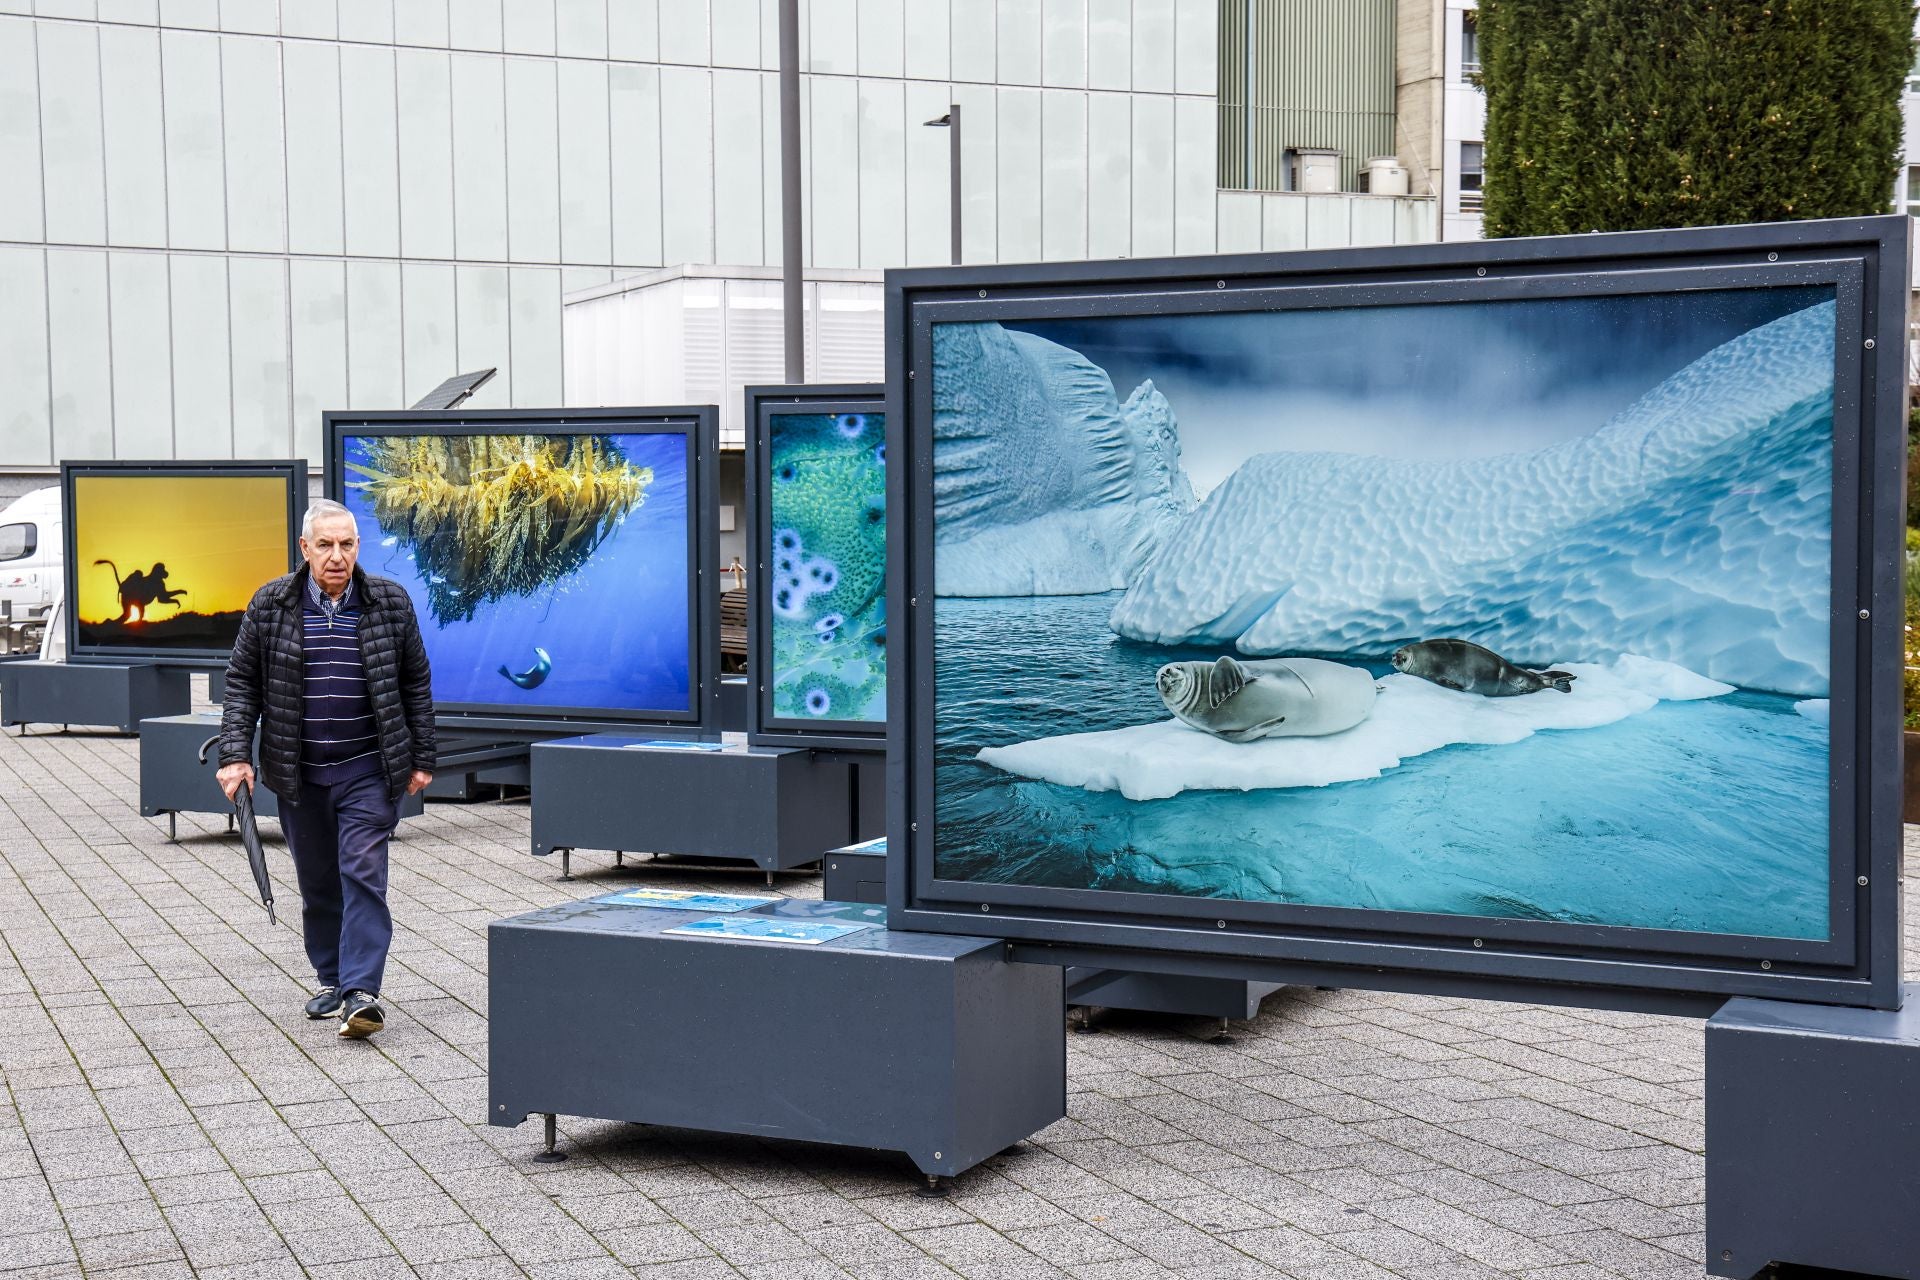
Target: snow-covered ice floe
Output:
[(1818, 710), (1410, 718)]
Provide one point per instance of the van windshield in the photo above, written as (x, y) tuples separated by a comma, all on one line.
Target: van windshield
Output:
[(17, 541)]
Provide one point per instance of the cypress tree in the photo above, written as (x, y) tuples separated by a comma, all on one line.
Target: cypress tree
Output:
[(1624, 114)]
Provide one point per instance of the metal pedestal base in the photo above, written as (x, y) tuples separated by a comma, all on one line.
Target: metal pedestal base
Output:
[(67, 693), (1813, 1139)]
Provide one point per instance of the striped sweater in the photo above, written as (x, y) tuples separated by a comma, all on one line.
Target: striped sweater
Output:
[(338, 738)]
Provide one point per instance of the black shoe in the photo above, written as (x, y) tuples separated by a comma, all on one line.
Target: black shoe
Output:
[(325, 1004), (360, 1016)]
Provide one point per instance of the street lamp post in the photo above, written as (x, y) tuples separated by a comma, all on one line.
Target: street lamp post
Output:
[(951, 123)]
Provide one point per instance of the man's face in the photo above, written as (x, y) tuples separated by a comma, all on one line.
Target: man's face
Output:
[(331, 551)]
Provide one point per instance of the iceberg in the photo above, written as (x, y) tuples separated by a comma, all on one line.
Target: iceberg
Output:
[(1044, 483), (1410, 717), (1693, 527)]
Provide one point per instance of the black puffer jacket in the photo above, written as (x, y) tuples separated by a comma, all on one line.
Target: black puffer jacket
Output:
[(266, 682)]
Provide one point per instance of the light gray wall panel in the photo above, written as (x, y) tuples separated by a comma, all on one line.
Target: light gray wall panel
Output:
[(833, 36), (371, 21), (528, 26), (479, 156), (978, 201), (533, 161), (586, 215), (736, 33), (1153, 46), (1283, 223), (142, 355), (201, 15), (927, 159), (318, 341), (20, 204), (427, 322), (686, 164), (1063, 134), (421, 22), (17, 6), (580, 28), (1109, 44), (633, 30), (1239, 222), (738, 167), (1109, 175), (770, 168), (833, 216), (26, 428), (141, 12), (374, 339), (1196, 46), (78, 359), (882, 38), (65, 9), (475, 24), (1195, 196), (1063, 43), (634, 113), (202, 357), (196, 160), (929, 36), (370, 155), (683, 32), (256, 145), (311, 19), (1152, 176), (136, 146), (534, 299), (1018, 28), (71, 146), (883, 173), (316, 203), (426, 153), (253, 17), (257, 293), (483, 328), (1018, 180), (972, 49)]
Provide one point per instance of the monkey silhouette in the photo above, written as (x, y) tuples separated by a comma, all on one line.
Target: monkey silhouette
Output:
[(139, 591)]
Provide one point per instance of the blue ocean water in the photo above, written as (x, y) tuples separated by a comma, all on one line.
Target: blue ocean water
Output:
[(1706, 816), (615, 630)]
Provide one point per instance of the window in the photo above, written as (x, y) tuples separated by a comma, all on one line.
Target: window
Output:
[(1913, 72), (1473, 164), (1910, 199), (1470, 44), (17, 541)]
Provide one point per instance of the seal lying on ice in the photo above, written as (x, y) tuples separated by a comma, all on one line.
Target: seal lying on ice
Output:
[(1464, 665), (1272, 698)]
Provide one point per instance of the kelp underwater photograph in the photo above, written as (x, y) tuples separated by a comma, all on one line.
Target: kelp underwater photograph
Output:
[(827, 534), (1511, 608), (548, 570)]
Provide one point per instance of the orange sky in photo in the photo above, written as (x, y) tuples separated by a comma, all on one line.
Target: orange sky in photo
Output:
[(220, 537)]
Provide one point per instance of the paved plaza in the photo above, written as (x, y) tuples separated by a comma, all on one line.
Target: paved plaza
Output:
[(166, 1111)]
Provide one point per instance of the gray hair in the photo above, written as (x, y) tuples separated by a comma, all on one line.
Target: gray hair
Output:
[(322, 509)]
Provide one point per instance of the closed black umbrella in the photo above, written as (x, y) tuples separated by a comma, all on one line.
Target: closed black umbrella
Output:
[(250, 837)]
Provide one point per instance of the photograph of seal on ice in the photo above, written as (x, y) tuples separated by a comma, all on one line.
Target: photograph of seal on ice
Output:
[(1511, 608)]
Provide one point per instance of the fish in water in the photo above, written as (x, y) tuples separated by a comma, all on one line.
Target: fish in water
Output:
[(534, 676), (1269, 698), (1466, 666)]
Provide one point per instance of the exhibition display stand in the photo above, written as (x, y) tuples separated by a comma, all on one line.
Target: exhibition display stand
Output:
[(176, 779), (775, 807), (959, 1052), (116, 694), (1813, 1138), (733, 704)]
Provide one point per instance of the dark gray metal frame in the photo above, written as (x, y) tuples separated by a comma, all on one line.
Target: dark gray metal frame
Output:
[(699, 424), (293, 470), (1865, 260), (764, 728)]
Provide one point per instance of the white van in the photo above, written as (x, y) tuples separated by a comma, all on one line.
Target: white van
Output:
[(31, 549)]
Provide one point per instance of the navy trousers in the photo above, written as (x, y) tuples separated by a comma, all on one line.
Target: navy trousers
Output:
[(338, 837)]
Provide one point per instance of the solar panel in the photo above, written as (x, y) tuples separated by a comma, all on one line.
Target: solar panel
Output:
[(455, 389)]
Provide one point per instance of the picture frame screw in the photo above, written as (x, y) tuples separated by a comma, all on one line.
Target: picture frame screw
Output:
[(1865, 614), (1726, 1255), (983, 293), (1219, 284), (985, 907), (1479, 271), (913, 826), (1219, 924), (1862, 882), (1869, 344), (1773, 257), (1766, 964), (1479, 942)]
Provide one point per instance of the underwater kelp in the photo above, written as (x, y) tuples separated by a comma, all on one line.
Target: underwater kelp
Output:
[(489, 516), (827, 511)]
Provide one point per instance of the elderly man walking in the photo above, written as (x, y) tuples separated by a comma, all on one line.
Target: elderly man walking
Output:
[(330, 665)]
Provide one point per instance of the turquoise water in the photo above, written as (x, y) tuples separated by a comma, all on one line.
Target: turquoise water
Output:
[(1705, 816)]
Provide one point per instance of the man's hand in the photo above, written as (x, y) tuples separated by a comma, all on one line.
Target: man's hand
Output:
[(231, 776), (418, 782)]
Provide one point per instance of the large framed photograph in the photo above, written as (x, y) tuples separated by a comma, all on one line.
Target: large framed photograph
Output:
[(162, 557), (1517, 612), (817, 538), (561, 561)]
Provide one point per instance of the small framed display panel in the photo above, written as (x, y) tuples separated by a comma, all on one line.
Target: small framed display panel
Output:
[(162, 557), (817, 529), (562, 562), (1511, 617)]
